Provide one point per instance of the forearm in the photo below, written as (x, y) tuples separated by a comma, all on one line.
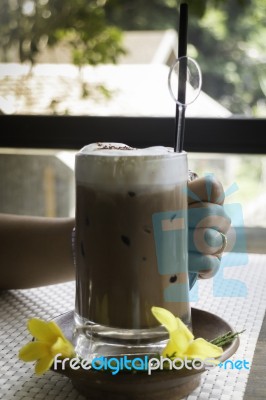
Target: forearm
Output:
[(35, 251)]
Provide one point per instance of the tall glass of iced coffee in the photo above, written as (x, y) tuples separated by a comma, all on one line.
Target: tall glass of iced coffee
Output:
[(130, 246)]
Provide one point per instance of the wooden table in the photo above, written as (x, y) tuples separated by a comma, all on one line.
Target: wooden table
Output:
[(256, 386)]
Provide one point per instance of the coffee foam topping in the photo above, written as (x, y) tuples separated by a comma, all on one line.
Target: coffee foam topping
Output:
[(121, 149), (118, 166)]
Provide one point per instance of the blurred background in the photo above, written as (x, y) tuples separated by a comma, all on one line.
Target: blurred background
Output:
[(112, 58)]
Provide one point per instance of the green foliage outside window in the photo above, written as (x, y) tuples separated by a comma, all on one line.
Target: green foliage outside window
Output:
[(227, 37), (30, 25)]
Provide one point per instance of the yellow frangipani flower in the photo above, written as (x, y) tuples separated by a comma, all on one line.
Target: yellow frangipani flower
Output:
[(181, 341), (49, 342)]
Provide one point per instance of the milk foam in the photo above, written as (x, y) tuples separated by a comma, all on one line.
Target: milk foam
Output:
[(114, 165), (121, 149)]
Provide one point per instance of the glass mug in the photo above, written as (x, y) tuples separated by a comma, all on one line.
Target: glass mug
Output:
[(130, 247)]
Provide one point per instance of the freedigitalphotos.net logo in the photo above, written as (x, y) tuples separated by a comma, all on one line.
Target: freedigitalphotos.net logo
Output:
[(124, 363), (170, 233)]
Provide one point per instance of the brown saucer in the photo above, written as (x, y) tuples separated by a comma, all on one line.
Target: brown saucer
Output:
[(173, 385)]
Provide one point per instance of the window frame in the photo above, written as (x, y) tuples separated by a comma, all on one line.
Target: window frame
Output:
[(210, 135)]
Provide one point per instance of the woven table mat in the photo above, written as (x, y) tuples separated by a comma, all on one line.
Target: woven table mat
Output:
[(242, 311)]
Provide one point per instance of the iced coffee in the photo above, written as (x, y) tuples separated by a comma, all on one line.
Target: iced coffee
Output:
[(131, 236)]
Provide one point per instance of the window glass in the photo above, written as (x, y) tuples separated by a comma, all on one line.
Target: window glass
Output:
[(243, 178), (39, 183), (42, 182)]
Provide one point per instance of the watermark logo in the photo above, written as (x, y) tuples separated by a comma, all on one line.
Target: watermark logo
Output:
[(237, 364), (125, 363), (181, 240)]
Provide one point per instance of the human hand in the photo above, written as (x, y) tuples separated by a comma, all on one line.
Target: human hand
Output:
[(208, 224)]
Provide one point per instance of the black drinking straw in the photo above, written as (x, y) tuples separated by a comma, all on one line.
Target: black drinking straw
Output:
[(182, 77)]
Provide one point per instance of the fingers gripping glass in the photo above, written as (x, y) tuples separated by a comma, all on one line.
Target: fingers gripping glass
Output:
[(184, 83)]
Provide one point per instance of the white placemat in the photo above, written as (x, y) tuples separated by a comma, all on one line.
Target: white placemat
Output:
[(17, 380)]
